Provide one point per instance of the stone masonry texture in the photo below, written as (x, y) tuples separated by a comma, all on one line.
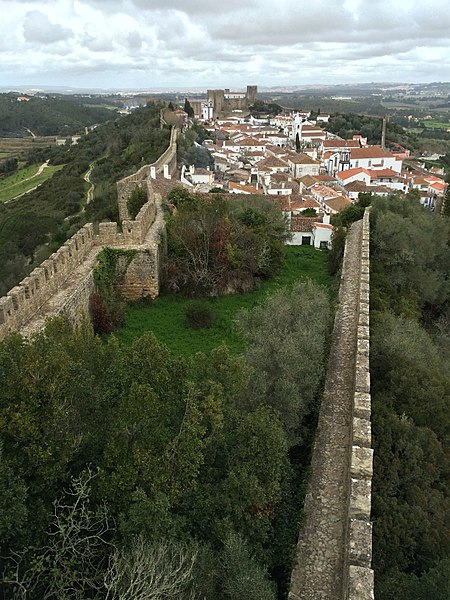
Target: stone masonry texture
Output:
[(335, 544), (63, 284)]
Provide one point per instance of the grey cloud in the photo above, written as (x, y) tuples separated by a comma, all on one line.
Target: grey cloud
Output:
[(98, 43), (197, 7), (134, 40), (38, 28)]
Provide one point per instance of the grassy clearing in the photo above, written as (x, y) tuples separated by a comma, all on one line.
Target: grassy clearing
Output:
[(23, 181), (165, 317), (436, 125)]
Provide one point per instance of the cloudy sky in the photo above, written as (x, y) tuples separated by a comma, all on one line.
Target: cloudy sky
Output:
[(222, 43)]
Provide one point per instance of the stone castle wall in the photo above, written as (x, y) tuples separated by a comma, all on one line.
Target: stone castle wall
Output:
[(25, 300), (224, 105), (63, 283), (334, 552), (125, 186), (360, 578)]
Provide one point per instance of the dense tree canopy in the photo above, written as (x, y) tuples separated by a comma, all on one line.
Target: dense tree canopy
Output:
[(164, 472), (61, 115), (410, 367)]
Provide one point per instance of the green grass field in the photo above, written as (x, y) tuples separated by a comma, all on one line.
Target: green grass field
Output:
[(436, 125), (24, 180), (165, 317)]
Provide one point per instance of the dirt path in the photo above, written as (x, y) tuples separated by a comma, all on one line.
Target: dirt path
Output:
[(30, 132), (87, 178), (319, 570)]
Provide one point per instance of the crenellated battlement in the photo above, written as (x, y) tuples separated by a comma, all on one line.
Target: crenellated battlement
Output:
[(53, 284), (25, 299), (166, 163)]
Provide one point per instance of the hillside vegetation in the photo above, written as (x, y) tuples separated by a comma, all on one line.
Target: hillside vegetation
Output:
[(129, 468), (35, 225), (63, 115)]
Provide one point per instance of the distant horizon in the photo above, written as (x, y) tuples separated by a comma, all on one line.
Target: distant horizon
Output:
[(36, 88)]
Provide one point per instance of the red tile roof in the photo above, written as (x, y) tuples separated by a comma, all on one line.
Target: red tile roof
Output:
[(344, 175), (338, 203), (376, 173), (370, 152), (340, 144), (324, 225), (302, 159), (300, 224)]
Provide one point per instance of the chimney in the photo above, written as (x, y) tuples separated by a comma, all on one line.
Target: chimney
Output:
[(383, 133)]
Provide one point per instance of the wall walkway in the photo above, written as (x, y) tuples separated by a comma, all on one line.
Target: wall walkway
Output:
[(63, 283), (335, 544)]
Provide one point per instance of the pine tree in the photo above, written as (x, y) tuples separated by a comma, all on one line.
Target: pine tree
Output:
[(446, 205), (188, 108)]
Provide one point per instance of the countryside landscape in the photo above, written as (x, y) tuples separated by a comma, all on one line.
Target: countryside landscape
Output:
[(224, 313)]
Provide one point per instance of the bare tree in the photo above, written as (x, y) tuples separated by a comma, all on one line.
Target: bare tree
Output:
[(147, 571), (72, 564)]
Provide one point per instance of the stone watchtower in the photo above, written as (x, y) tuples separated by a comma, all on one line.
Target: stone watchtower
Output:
[(217, 97), (252, 90)]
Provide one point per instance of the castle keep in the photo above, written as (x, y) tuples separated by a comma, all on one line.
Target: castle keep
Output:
[(223, 103)]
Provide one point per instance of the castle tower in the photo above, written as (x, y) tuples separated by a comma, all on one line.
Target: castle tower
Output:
[(252, 90), (217, 97)]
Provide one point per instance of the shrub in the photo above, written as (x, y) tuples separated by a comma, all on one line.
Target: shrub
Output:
[(199, 315), (136, 201)]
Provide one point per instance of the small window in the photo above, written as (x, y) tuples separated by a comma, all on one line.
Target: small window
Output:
[(323, 245), (306, 240)]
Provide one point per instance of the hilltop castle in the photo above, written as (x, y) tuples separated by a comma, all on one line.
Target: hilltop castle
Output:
[(220, 103)]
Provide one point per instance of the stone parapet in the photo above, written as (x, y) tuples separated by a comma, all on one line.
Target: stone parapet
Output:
[(26, 299), (360, 579), (126, 185), (334, 552), (39, 295)]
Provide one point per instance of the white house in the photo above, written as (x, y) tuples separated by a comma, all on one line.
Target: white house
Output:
[(310, 231), (374, 157), (239, 188), (323, 118), (302, 164), (350, 175), (199, 176)]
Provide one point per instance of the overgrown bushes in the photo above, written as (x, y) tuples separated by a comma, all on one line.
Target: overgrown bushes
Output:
[(219, 246), (199, 315), (162, 469)]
